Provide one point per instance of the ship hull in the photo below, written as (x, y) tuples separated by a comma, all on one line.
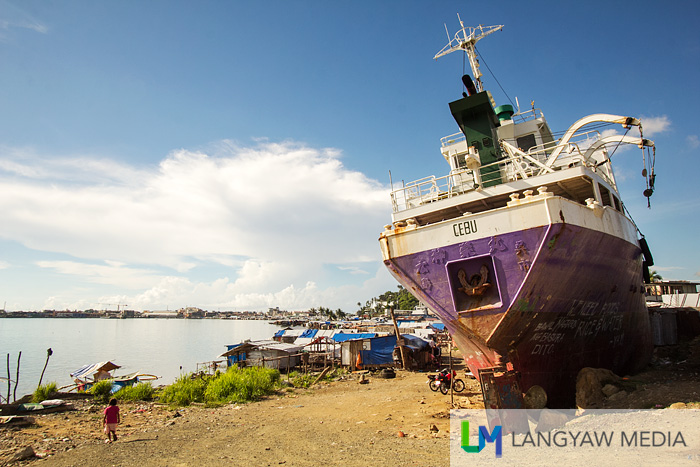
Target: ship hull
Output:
[(561, 294)]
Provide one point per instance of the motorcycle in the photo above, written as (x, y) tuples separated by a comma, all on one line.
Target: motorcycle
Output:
[(444, 380)]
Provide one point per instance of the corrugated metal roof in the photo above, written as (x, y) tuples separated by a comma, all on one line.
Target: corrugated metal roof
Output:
[(283, 346), (304, 340), (342, 337), (263, 344), (326, 333)]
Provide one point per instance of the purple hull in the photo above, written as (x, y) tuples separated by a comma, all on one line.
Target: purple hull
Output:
[(557, 298)]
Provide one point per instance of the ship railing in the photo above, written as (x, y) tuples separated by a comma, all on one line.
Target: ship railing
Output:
[(449, 140), (516, 165), (527, 115), (574, 154), (431, 189)]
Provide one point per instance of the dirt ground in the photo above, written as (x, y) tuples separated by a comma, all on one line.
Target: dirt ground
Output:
[(385, 422), (338, 423)]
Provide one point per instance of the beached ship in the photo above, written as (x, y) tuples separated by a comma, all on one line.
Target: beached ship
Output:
[(524, 249)]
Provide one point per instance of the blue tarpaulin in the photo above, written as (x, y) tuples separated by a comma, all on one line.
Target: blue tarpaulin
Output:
[(233, 359), (438, 326), (279, 333), (415, 343), (342, 337), (309, 333), (380, 353)]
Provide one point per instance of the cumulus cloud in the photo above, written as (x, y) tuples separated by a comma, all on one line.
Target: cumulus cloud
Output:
[(120, 276), (654, 125), (270, 216)]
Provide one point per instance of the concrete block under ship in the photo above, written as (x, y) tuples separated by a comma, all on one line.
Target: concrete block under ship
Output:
[(524, 249)]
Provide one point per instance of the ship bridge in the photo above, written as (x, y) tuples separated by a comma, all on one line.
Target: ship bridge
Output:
[(499, 153)]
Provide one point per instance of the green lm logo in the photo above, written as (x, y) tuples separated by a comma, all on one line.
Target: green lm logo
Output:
[(484, 437)]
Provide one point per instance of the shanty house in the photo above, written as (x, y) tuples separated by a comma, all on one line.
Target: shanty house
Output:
[(374, 352), (265, 353)]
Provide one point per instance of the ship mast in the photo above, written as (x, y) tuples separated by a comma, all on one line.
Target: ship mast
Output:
[(466, 39)]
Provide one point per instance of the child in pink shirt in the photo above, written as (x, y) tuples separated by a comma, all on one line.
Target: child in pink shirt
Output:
[(111, 420)]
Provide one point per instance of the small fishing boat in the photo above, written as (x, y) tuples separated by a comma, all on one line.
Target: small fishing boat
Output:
[(86, 376)]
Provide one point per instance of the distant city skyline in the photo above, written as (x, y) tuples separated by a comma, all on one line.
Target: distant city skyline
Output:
[(236, 155)]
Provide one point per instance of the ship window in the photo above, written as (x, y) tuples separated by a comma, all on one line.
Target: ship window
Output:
[(617, 204), (460, 161), (526, 142), (605, 198)]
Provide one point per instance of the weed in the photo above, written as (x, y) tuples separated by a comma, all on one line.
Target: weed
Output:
[(140, 392), (242, 385), (44, 392), (102, 390), (185, 390)]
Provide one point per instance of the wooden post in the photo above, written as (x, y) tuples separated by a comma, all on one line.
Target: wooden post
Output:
[(323, 373), (14, 393), (289, 363), (399, 340), (452, 378), (8, 379)]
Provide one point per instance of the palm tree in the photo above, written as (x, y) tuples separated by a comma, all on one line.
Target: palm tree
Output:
[(655, 277)]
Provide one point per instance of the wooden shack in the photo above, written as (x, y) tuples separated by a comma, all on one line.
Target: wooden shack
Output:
[(265, 353)]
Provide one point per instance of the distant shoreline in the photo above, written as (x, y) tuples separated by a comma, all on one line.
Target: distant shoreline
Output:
[(129, 314)]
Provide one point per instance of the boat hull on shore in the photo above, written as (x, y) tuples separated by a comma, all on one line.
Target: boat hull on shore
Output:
[(563, 291)]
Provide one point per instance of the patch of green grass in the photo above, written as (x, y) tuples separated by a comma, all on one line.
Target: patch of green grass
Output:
[(44, 392), (102, 390), (335, 374), (242, 385), (139, 392), (300, 380), (235, 385), (184, 391)]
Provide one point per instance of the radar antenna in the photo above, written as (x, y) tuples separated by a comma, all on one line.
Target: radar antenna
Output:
[(466, 39)]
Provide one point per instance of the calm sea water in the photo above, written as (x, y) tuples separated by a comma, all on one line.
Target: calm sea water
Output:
[(153, 346)]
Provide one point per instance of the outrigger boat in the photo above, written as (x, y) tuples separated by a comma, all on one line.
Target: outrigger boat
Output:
[(86, 376), (525, 250)]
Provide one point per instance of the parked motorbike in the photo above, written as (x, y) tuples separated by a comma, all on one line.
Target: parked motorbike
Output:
[(444, 380)]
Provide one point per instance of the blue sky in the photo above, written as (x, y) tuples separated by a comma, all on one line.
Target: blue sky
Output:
[(236, 154)]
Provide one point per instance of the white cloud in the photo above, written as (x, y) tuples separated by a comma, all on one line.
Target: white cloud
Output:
[(655, 125), (693, 141), (13, 16), (353, 269), (125, 277), (4, 265), (667, 268), (269, 216)]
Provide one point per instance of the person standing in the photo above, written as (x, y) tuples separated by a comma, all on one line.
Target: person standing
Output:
[(111, 420)]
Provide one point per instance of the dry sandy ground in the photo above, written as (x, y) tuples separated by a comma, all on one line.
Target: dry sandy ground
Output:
[(339, 423)]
